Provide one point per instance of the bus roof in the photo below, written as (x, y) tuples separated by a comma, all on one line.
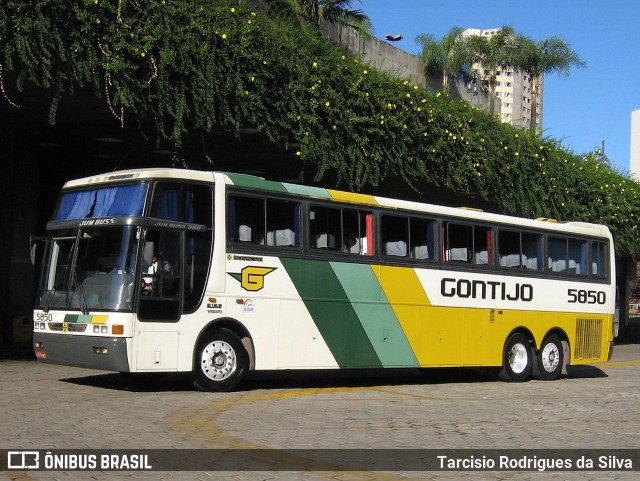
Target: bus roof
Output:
[(259, 183)]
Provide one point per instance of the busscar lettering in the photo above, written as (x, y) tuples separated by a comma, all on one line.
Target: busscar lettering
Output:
[(94, 222), (493, 290)]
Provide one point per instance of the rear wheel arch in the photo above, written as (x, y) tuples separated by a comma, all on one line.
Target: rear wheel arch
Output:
[(518, 356)]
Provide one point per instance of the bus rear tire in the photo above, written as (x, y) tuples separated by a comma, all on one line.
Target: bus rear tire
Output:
[(517, 359), (550, 359), (221, 362)]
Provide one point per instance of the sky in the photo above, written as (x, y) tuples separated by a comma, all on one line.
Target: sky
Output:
[(590, 106)]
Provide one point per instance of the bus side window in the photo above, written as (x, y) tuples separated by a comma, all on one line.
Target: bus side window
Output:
[(395, 235), (421, 235), (482, 245), (283, 223), (325, 228), (532, 251), (577, 257), (357, 232), (557, 261), (458, 242), (246, 219), (598, 259), (509, 250)]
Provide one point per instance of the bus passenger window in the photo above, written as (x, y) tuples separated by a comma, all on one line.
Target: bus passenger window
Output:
[(532, 251), (520, 249), (395, 238), (325, 228), (577, 257), (246, 220), (482, 245), (557, 261), (283, 223), (458, 242), (598, 259), (422, 238)]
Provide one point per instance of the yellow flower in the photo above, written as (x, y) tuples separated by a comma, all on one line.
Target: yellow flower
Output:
[(438, 94), (298, 153), (327, 103), (97, 21), (143, 55), (365, 72), (224, 36), (233, 10)]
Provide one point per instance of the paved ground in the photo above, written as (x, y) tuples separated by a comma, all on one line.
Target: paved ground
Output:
[(54, 407)]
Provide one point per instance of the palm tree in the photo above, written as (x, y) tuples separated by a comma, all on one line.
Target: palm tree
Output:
[(492, 54), (314, 13), (537, 58), (450, 57)]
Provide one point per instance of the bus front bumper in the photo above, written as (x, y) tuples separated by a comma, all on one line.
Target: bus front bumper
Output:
[(104, 353)]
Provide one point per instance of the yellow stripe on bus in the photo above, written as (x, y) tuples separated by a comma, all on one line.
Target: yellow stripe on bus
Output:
[(409, 302), (352, 197)]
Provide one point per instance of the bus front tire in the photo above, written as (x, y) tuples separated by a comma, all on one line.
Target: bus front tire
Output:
[(221, 362), (550, 360), (517, 359)]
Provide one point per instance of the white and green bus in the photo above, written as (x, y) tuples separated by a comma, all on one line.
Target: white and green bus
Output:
[(218, 274)]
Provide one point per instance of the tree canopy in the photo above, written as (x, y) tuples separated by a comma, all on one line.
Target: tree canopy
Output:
[(202, 66)]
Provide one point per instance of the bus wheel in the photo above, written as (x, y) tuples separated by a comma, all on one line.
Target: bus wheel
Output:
[(517, 359), (221, 362), (550, 359)]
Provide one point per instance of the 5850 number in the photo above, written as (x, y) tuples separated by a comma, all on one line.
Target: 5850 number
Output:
[(582, 296)]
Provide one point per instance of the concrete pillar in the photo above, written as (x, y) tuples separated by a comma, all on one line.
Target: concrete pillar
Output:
[(19, 150)]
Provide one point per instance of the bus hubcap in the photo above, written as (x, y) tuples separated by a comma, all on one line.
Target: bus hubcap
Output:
[(218, 360), (518, 358), (550, 357)]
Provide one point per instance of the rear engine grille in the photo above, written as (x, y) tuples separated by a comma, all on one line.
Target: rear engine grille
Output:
[(588, 338)]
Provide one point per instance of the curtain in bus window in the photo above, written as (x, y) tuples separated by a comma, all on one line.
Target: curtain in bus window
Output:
[(126, 200), (166, 204), (76, 205), (232, 220), (123, 200)]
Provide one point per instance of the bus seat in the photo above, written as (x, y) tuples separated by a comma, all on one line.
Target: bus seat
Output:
[(420, 252), (482, 257), (324, 241), (457, 254), (513, 260), (396, 248), (285, 237), (244, 233)]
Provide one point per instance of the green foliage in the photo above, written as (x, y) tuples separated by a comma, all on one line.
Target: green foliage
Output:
[(196, 65)]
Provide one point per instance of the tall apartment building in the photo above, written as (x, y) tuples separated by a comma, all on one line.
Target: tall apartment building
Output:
[(514, 91)]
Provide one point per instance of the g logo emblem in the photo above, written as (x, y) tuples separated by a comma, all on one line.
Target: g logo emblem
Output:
[(252, 277)]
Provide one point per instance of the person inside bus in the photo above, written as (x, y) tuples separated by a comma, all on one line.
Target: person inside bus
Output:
[(351, 244), (156, 268)]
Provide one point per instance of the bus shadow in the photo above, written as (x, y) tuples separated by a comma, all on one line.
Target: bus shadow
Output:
[(267, 380), (316, 379), (585, 372)]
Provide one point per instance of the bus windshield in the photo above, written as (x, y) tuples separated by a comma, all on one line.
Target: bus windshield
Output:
[(93, 270)]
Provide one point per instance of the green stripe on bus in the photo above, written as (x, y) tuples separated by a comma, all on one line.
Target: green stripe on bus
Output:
[(332, 312), (375, 313), (317, 192), (253, 182)]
